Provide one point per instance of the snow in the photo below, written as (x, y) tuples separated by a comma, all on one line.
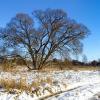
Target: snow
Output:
[(66, 85), (80, 93)]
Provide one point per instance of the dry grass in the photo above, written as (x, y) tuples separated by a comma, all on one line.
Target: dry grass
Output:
[(11, 67), (7, 66), (10, 84), (40, 81), (87, 68), (46, 80), (68, 67), (22, 85)]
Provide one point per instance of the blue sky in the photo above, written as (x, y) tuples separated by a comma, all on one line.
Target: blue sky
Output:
[(83, 11)]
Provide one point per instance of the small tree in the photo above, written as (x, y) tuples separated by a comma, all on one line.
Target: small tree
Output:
[(55, 33), (84, 59)]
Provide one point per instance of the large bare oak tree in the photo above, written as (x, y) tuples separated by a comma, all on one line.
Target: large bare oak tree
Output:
[(43, 34)]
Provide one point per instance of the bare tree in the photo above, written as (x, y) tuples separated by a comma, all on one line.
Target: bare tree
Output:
[(84, 59), (55, 33)]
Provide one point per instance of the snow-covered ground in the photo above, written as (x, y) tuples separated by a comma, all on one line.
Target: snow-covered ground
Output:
[(66, 85)]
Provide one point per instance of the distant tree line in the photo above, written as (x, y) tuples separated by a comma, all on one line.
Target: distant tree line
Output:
[(91, 63)]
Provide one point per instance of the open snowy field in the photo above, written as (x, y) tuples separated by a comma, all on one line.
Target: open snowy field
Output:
[(54, 85)]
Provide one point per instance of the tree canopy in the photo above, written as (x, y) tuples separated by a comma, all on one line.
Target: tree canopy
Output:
[(42, 34)]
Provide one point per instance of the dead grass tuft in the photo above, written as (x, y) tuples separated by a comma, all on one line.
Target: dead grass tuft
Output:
[(10, 84)]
